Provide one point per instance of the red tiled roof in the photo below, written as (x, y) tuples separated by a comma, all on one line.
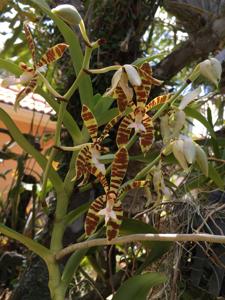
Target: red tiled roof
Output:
[(33, 102)]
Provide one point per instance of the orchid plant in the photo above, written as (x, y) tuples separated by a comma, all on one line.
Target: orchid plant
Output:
[(131, 86)]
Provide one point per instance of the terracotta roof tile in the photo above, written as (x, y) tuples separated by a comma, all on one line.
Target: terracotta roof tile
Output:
[(31, 102)]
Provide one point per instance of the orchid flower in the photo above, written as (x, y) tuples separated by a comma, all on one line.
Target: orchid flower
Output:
[(29, 77), (108, 205), (141, 122), (87, 161), (127, 78)]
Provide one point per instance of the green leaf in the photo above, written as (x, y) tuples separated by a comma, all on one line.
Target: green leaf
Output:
[(27, 147), (73, 263), (193, 113), (85, 86), (72, 266), (73, 215), (137, 287), (131, 226), (102, 104), (215, 176), (105, 118), (10, 67)]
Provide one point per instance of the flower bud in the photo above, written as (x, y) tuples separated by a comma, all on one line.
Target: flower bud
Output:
[(202, 160), (179, 121), (178, 151), (68, 13), (165, 128), (168, 149), (211, 69), (189, 150)]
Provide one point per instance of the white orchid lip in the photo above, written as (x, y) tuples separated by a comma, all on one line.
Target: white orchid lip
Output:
[(95, 161), (132, 75), (138, 127), (108, 213)]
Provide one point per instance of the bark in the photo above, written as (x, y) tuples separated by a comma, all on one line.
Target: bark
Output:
[(207, 40)]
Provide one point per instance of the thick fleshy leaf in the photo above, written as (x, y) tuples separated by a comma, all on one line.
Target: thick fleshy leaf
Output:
[(157, 100), (92, 218), (124, 131), (119, 168), (146, 138), (138, 287), (90, 122), (30, 42), (25, 91), (52, 54)]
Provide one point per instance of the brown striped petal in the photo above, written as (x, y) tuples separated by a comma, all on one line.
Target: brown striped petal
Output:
[(31, 86), (92, 218), (134, 185), (30, 42), (147, 137), (52, 54), (90, 122), (124, 131), (119, 168), (158, 100), (112, 228)]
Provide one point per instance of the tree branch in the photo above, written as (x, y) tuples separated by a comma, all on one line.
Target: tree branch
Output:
[(163, 237), (199, 46)]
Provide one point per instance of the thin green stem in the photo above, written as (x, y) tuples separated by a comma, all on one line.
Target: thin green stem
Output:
[(53, 152), (75, 85), (49, 87)]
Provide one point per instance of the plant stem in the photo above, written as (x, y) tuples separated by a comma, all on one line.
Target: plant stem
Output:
[(163, 237), (63, 195)]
